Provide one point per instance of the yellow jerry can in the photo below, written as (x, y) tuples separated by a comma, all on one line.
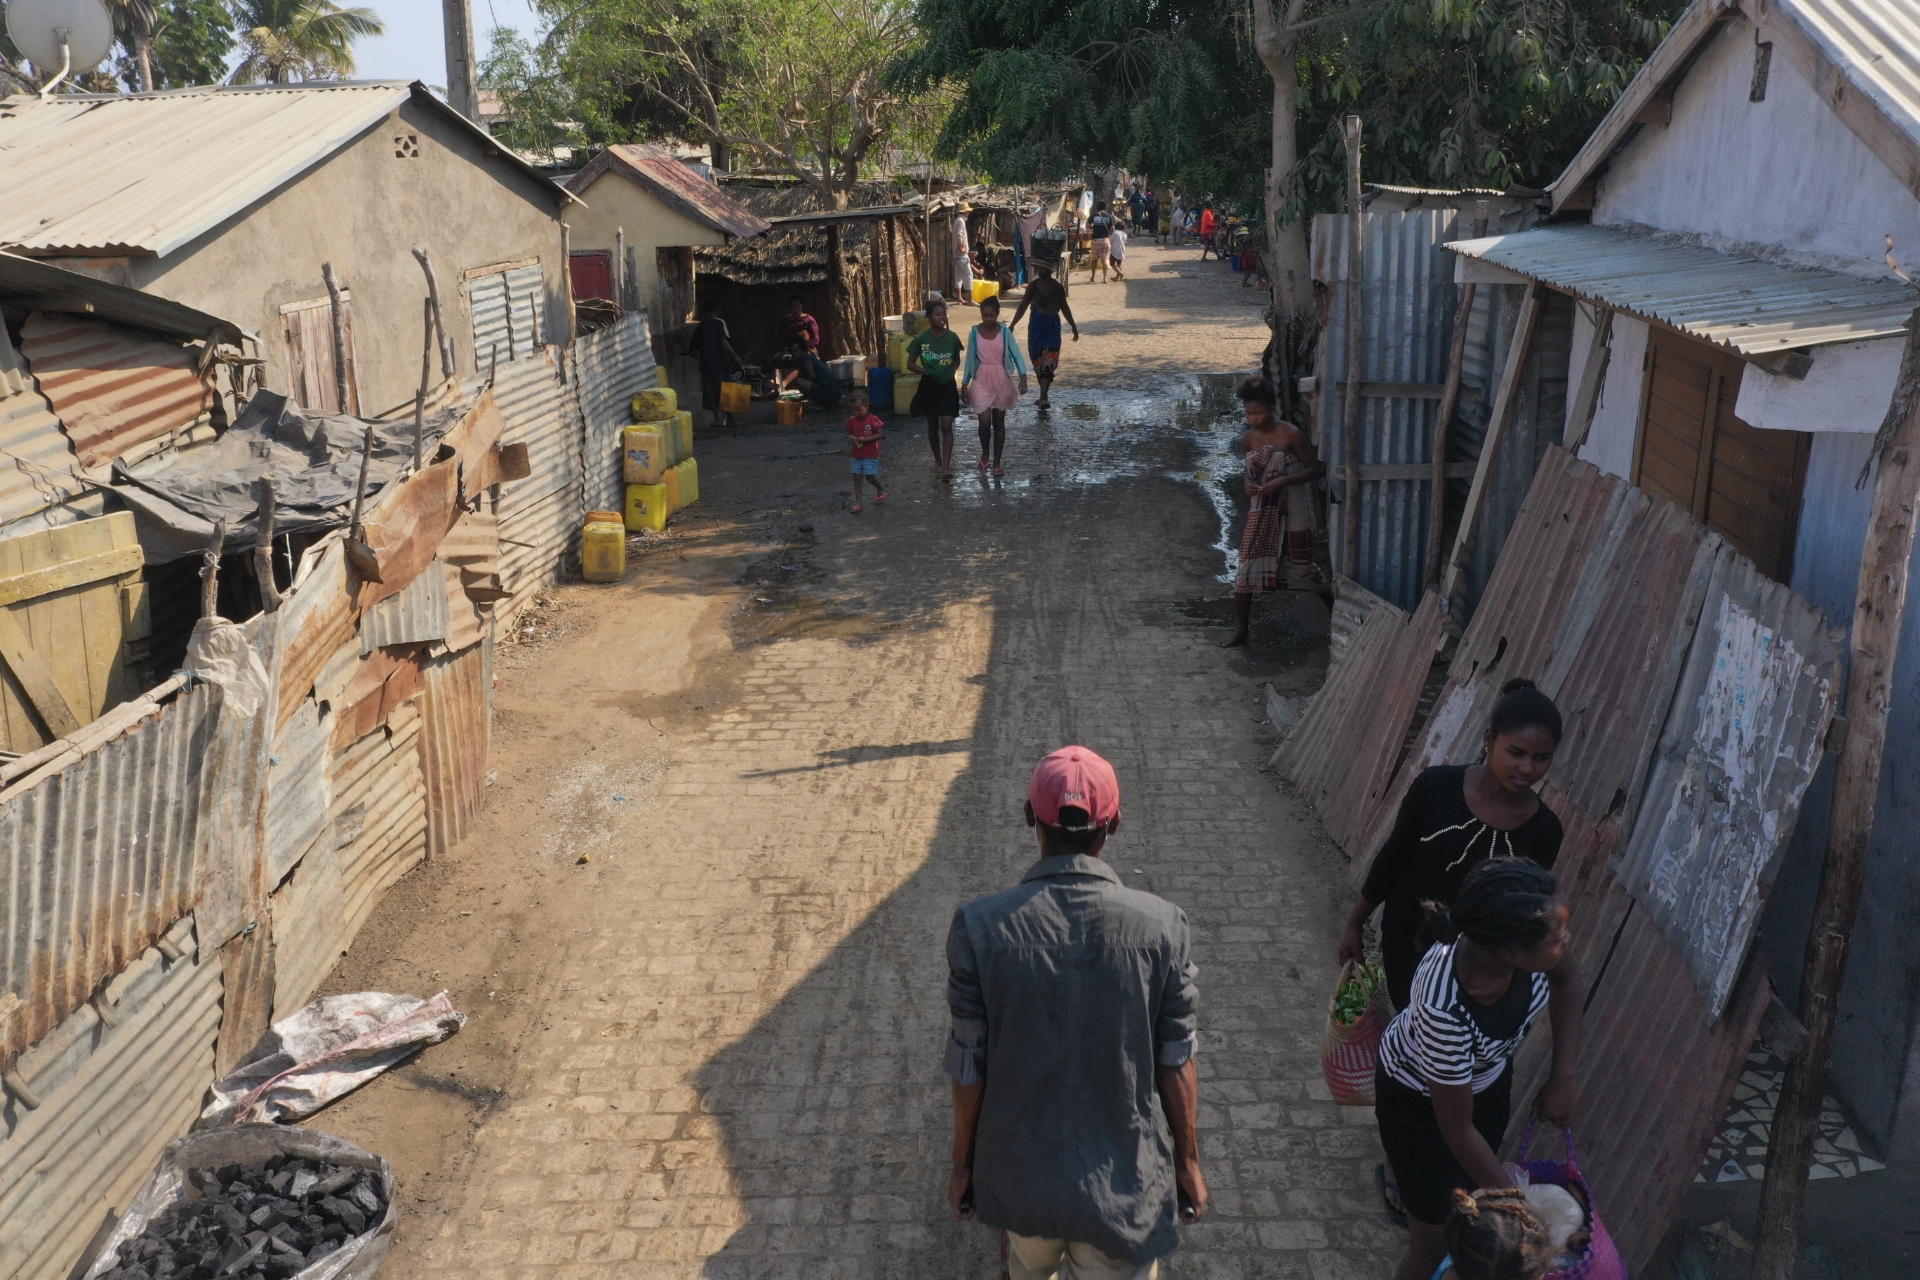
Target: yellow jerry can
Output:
[(688, 472), (603, 551), (671, 482), (736, 397), (916, 321), (646, 507), (984, 289), (683, 424), (904, 389), (647, 452), (897, 351), (651, 406)]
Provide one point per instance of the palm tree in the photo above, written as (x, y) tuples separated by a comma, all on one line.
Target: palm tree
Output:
[(288, 40), (133, 21)]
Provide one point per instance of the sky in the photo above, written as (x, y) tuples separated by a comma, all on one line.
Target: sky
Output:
[(412, 48)]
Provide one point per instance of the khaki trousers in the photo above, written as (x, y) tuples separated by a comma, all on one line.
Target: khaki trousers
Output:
[(1032, 1258)]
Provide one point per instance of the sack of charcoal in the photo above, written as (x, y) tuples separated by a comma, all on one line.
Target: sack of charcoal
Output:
[(255, 1200)]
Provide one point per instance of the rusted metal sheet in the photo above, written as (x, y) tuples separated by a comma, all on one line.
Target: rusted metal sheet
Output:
[(316, 621), (111, 1098), (610, 367), (309, 922), (415, 614), (455, 728), (1565, 516), (474, 443), (466, 624), (98, 858), (1342, 753), (380, 682), (44, 471), (405, 527), (230, 863), (380, 815), (298, 789), (1656, 1067), (246, 993), (1735, 759), (115, 390)]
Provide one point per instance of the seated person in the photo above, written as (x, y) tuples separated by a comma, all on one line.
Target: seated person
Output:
[(808, 374)]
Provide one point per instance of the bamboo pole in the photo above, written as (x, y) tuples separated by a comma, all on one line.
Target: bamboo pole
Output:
[(210, 569), (1350, 403), (1877, 610), (341, 384), (263, 549)]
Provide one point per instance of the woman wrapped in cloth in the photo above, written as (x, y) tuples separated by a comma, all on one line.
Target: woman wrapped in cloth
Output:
[(1276, 551)]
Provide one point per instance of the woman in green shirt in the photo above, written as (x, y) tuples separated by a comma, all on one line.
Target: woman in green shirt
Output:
[(934, 354)]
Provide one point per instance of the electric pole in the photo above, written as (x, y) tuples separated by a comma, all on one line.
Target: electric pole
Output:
[(461, 94)]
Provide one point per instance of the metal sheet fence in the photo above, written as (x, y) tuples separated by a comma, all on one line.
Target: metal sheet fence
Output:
[(455, 726), (610, 367), (540, 516)]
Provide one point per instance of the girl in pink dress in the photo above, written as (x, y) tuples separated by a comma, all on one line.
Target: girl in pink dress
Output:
[(994, 363)]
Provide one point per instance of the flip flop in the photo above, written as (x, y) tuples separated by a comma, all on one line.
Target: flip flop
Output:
[(855, 509), (999, 472), (982, 464), (879, 498), (1389, 1193)]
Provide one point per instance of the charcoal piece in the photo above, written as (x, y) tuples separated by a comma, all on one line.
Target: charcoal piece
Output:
[(334, 1183), (255, 1237), (364, 1195), (231, 1258), (333, 1231), (281, 1266), (280, 1181), (230, 1218), (260, 1215), (303, 1181), (350, 1214)]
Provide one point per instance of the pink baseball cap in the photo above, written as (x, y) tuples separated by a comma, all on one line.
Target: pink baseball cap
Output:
[(1074, 777)]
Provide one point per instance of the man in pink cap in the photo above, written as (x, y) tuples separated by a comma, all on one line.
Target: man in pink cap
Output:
[(1075, 1093)]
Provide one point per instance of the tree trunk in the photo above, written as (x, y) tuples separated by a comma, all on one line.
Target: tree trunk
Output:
[(1292, 317), (840, 297), (143, 59)]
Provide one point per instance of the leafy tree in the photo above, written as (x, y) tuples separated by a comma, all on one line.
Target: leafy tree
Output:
[(191, 43), (133, 23), (539, 108), (284, 41)]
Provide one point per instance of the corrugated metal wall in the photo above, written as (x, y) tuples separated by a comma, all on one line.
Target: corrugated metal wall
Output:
[(379, 816), (610, 368), (540, 516), (1407, 300), (110, 1099), (299, 788), (40, 468), (509, 315), (120, 394), (455, 729)]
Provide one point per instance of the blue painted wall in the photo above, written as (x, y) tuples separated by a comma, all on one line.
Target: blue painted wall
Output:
[(1872, 1071)]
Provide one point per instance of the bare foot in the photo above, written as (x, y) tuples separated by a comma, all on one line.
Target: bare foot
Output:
[(1238, 640)]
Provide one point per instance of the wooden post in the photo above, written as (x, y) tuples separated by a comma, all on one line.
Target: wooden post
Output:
[(341, 386), (1443, 420), (439, 316), (1587, 397), (263, 549), (1490, 445), (1877, 610), (876, 294), (620, 283), (633, 280), (1350, 401), (566, 284), (426, 372), (210, 569)]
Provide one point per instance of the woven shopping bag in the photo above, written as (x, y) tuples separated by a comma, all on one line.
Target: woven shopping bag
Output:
[(1350, 1050), (1600, 1260)]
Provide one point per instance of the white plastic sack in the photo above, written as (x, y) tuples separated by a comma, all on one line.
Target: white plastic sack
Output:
[(357, 1259), (327, 1049), (218, 653)]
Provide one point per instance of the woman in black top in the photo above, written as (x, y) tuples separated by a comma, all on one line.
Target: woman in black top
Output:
[(1454, 818)]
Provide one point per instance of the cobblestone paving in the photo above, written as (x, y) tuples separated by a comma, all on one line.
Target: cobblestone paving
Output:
[(739, 1075)]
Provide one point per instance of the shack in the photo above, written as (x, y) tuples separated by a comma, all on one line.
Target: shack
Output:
[(233, 200), (643, 214), (1738, 329)]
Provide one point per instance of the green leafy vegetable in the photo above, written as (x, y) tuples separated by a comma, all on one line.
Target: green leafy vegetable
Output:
[(1356, 993)]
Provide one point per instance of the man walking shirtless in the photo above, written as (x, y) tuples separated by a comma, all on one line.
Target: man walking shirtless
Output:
[(1048, 298)]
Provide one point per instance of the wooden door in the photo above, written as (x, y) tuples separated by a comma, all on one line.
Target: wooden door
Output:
[(592, 271), (307, 328), (1741, 482)]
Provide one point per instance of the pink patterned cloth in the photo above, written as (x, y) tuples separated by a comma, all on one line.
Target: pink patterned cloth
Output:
[(991, 387)]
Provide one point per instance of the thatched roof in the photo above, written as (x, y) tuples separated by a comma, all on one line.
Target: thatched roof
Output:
[(789, 257)]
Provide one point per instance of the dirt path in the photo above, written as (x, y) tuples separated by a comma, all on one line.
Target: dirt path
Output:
[(785, 749)]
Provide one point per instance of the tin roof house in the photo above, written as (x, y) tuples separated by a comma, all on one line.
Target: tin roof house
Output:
[(1739, 322), (231, 200)]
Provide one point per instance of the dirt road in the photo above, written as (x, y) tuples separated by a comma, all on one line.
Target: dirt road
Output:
[(738, 797)]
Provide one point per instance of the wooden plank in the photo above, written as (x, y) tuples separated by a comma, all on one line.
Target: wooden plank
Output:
[(1592, 377), (1443, 420), (35, 678), (55, 627), (1490, 444), (1350, 405), (100, 565)]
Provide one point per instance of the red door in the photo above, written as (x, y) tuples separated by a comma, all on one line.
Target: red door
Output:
[(592, 271)]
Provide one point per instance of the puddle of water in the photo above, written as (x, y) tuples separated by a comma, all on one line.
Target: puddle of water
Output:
[(776, 607)]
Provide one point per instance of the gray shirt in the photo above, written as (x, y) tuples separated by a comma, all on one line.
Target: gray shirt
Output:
[(1068, 991)]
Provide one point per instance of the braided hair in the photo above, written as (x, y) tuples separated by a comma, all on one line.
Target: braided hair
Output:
[(1523, 706), (1493, 1234), (1504, 904)]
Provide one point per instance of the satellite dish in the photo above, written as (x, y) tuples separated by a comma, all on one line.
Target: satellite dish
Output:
[(37, 26)]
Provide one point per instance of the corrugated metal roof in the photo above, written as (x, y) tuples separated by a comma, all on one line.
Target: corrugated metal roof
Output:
[(120, 394), (146, 173), (673, 184), (1342, 753), (111, 1099), (1739, 302), (98, 857), (455, 728), (40, 286), (1876, 45), (609, 368), (1735, 758)]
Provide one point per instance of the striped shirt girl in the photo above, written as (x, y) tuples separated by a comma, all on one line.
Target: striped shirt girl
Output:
[(1444, 1038)]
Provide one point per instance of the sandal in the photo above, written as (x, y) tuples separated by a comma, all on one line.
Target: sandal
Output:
[(982, 464), (855, 509), (999, 473), (1389, 1193), (879, 498)]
